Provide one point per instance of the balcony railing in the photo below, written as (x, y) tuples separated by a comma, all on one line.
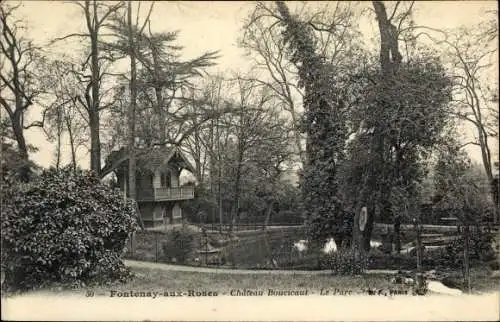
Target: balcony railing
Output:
[(166, 194)]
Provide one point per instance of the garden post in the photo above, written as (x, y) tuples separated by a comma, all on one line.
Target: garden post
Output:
[(419, 275), (132, 243), (156, 248), (205, 237), (466, 258)]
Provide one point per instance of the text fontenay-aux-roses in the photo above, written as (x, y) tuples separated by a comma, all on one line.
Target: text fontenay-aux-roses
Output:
[(198, 293)]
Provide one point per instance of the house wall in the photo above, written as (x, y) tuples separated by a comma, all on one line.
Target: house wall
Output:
[(158, 212), (152, 214), (174, 178), (146, 210), (144, 181), (157, 179), (176, 212)]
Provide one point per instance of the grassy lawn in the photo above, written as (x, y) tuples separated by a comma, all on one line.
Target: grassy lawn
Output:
[(149, 279), (152, 279)]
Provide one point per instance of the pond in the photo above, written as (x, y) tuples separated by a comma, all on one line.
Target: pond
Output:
[(269, 249)]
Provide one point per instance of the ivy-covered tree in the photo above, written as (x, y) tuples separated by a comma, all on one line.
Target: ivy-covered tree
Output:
[(401, 109), (325, 129), (398, 126)]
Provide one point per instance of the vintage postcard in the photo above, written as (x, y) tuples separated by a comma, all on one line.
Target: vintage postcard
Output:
[(239, 160)]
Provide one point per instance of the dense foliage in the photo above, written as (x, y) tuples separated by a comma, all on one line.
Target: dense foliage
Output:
[(179, 245), (459, 189), (397, 127), (344, 262), (324, 124), (63, 227)]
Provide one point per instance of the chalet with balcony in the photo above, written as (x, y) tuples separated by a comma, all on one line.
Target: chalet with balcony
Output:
[(158, 191)]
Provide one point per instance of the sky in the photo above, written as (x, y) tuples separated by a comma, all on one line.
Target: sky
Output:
[(209, 26)]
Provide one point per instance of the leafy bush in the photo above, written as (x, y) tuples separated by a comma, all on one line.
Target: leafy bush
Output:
[(12, 165), (480, 246), (344, 262), (63, 227), (179, 245)]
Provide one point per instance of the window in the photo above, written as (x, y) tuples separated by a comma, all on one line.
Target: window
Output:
[(165, 179)]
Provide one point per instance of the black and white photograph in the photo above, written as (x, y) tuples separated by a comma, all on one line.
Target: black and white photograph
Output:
[(249, 160)]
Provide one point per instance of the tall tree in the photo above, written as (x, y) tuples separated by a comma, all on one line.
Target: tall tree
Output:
[(96, 18), (65, 115), (166, 78), (333, 29), (267, 48), (20, 85), (473, 57), (161, 80), (131, 113), (214, 136), (403, 124), (325, 129)]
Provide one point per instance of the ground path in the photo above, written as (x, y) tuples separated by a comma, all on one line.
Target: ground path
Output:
[(214, 270), (435, 286)]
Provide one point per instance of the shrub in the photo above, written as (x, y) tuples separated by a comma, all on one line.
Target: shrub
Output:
[(63, 227), (480, 246), (344, 262), (179, 245)]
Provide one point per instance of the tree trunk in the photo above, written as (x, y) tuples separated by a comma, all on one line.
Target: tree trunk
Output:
[(94, 119), (397, 234), (495, 192), (397, 217), (390, 57), (132, 107), (72, 143), (390, 61), (367, 199), (268, 215), (196, 151), (19, 135), (486, 158), (58, 147), (219, 178), (236, 201), (237, 182), (419, 275), (17, 129), (361, 239), (16, 116), (197, 156), (95, 142), (59, 129), (131, 115), (159, 96), (357, 238), (367, 233)]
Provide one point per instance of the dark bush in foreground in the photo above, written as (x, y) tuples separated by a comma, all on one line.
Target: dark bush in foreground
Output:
[(63, 228)]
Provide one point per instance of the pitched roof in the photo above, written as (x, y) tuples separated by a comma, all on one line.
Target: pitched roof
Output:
[(152, 158), (158, 157)]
